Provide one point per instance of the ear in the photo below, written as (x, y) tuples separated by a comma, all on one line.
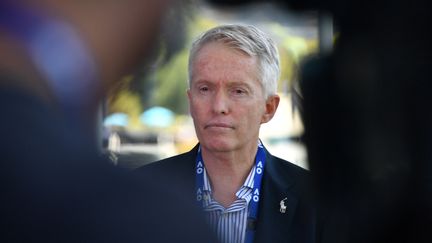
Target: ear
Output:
[(188, 91), (271, 106), (189, 95)]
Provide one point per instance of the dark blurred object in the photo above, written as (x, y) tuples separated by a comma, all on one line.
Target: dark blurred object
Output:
[(368, 122), (58, 59), (133, 160), (368, 125), (56, 188)]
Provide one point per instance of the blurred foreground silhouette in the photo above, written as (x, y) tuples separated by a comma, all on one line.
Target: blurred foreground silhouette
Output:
[(58, 58)]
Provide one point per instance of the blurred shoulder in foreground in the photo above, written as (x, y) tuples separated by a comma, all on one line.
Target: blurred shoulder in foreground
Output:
[(54, 70)]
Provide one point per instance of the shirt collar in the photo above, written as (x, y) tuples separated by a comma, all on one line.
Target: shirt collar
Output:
[(245, 192)]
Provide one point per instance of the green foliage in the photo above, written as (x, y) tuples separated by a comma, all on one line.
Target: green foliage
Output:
[(288, 69), (198, 26), (291, 50), (125, 101), (171, 84)]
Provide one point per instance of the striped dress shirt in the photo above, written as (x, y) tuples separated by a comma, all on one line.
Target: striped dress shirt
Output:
[(229, 223)]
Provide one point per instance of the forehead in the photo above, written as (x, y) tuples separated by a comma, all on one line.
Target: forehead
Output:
[(218, 61)]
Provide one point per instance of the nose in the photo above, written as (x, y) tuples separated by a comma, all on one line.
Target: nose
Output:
[(221, 103)]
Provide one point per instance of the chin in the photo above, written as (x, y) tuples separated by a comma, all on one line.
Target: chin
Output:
[(219, 146)]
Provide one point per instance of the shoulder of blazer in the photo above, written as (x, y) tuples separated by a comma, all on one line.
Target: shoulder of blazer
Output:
[(174, 161), (285, 173), (179, 168)]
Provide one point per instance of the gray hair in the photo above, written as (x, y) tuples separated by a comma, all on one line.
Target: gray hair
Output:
[(249, 40)]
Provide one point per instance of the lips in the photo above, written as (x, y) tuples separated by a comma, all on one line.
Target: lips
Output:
[(218, 125)]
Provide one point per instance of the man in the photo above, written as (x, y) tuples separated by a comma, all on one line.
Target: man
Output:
[(247, 194), (371, 168), (57, 60)]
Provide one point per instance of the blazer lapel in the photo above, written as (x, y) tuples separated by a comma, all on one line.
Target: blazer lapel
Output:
[(186, 169), (274, 221)]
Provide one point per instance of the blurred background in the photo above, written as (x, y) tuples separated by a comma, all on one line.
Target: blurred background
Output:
[(146, 117)]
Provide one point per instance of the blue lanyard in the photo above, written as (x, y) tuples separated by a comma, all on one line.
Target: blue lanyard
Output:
[(253, 204)]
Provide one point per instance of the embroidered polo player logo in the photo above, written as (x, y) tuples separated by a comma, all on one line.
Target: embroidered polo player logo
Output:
[(282, 208)]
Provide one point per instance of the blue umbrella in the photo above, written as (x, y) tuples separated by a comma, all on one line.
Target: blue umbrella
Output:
[(117, 119), (157, 116)]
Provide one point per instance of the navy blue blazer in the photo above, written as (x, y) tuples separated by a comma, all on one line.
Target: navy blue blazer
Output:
[(281, 180)]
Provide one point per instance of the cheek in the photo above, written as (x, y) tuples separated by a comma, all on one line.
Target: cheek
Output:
[(195, 110), (258, 115), (251, 116)]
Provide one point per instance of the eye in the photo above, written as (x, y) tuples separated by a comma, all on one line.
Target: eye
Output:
[(239, 91), (203, 89)]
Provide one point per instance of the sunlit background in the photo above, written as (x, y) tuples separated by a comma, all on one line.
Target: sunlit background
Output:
[(146, 118)]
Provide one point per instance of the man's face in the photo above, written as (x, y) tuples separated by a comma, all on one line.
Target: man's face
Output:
[(227, 102)]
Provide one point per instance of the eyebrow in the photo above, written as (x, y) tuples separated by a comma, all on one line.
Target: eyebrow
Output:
[(202, 81), (241, 84), (229, 84)]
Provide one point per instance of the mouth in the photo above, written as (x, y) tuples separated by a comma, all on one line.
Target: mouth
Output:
[(219, 125)]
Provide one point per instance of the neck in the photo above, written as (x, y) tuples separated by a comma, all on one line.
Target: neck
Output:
[(228, 171)]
